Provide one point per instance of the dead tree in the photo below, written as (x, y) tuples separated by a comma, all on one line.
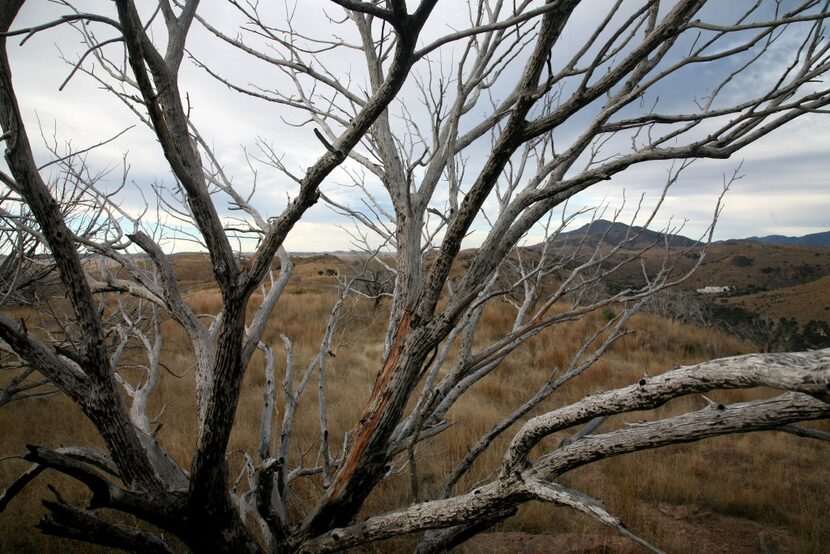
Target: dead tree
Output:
[(518, 86)]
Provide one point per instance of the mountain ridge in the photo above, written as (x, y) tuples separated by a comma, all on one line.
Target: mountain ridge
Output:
[(812, 239), (614, 232)]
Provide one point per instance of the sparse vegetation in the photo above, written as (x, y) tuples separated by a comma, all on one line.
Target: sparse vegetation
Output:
[(766, 331), (695, 488)]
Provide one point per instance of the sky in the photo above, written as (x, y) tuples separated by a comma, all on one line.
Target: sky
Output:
[(784, 180)]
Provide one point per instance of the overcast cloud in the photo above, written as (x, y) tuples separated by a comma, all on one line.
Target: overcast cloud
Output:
[(783, 189)]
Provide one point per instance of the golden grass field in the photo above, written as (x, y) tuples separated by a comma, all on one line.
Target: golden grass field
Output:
[(743, 263), (731, 494), (800, 302)]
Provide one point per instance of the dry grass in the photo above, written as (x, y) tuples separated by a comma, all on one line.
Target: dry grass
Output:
[(741, 264), (800, 302), (773, 479)]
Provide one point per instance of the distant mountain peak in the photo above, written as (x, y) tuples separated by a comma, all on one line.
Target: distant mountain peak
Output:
[(813, 239), (613, 233)]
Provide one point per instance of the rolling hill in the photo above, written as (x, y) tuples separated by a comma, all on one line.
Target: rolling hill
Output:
[(606, 233), (773, 280), (810, 301), (774, 277), (813, 239), (753, 266)]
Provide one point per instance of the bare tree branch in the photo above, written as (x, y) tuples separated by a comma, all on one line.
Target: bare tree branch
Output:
[(425, 133)]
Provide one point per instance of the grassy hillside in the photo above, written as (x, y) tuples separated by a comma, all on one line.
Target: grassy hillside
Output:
[(766, 281), (748, 265), (733, 493), (810, 301)]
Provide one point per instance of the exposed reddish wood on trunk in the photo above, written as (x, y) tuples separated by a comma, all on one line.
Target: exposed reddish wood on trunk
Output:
[(392, 360), (370, 418)]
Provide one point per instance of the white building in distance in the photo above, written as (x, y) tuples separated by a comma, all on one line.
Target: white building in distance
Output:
[(713, 290)]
